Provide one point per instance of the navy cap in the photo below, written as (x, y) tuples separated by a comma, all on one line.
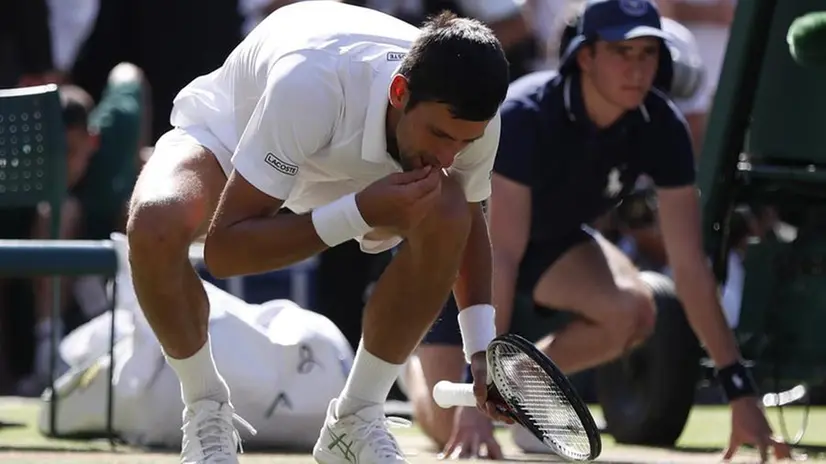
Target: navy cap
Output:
[(614, 21)]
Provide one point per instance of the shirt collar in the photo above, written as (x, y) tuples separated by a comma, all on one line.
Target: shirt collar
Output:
[(374, 139)]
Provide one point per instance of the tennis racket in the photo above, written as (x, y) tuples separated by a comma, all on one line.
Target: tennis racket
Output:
[(527, 386)]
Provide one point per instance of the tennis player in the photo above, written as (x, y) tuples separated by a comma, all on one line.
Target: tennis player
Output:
[(573, 145), (366, 128)]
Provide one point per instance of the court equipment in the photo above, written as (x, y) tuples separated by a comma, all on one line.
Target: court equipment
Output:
[(527, 386)]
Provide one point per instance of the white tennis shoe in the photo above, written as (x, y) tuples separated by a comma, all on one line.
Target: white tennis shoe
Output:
[(362, 438), (209, 434)]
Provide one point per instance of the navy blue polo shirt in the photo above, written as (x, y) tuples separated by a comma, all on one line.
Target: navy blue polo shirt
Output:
[(576, 171)]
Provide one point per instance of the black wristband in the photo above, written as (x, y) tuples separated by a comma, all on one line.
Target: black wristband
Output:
[(736, 381)]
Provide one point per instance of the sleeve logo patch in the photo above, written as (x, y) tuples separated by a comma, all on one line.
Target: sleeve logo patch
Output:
[(280, 165), (395, 56)]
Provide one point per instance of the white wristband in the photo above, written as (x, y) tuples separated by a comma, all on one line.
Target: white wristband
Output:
[(478, 326), (339, 221)]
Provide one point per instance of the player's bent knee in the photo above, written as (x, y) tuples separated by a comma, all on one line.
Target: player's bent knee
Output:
[(631, 319), (158, 228), (639, 313), (450, 215)]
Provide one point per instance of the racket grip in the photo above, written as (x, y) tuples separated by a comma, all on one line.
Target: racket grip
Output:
[(448, 394)]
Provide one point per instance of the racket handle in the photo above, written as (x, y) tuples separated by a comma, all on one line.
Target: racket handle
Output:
[(448, 394)]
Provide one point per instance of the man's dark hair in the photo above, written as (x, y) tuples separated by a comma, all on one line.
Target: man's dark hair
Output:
[(459, 62), (77, 104), (568, 34)]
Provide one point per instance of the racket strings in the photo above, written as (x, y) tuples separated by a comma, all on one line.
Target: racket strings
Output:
[(539, 398)]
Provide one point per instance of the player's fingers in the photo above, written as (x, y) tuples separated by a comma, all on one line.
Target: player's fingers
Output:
[(782, 450), (764, 452), (480, 391), (457, 450), (427, 184), (496, 413), (490, 410), (450, 448), (763, 443), (732, 448), (494, 450), (486, 408), (408, 177), (470, 447), (429, 196)]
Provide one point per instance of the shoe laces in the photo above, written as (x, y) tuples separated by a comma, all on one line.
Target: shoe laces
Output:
[(378, 436), (215, 433)]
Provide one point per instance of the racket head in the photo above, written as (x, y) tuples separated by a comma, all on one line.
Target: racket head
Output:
[(540, 398)]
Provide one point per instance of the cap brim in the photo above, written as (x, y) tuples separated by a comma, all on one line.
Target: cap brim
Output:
[(628, 32)]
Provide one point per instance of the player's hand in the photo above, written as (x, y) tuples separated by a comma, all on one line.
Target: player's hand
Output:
[(749, 426), (479, 370), (401, 200), (472, 433)]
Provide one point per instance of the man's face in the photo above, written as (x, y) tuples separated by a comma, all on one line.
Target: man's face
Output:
[(623, 72), (81, 145), (429, 134)]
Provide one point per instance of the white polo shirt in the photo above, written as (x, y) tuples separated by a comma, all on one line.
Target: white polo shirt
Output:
[(301, 105)]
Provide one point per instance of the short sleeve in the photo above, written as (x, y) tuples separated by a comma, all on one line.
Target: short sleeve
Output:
[(670, 157), (474, 165), (294, 118), (517, 143)]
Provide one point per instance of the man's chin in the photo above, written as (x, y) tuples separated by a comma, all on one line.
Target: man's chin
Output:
[(633, 101)]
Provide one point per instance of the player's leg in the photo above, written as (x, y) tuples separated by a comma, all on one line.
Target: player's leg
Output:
[(173, 201), (595, 280), (407, 298)]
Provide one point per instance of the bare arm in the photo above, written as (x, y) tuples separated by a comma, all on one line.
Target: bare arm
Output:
[(247, 236), (473, 285), (509, 210), (680, 222)]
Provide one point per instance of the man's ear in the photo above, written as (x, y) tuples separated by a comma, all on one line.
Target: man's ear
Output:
[(399, 92), (584, 56)]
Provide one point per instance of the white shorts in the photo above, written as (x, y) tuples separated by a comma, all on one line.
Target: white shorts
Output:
[(170, 143), (169, 146)]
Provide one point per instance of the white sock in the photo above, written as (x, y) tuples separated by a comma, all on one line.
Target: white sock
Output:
[(368, 384), (199, 377)]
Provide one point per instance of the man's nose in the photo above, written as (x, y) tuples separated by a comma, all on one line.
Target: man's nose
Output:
[(447, 153)]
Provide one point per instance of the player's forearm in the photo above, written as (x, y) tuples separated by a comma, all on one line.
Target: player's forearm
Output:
[(259, 245), (698, 292), (473, 285)]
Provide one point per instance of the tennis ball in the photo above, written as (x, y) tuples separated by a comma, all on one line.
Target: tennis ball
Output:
[(807, 39)]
